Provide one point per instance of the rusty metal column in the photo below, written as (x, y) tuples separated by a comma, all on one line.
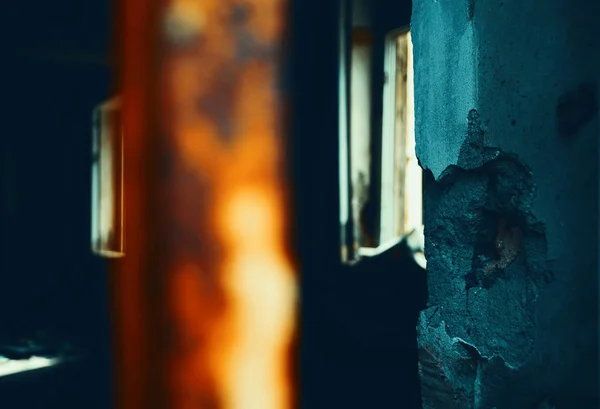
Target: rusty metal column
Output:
[(205, 298)]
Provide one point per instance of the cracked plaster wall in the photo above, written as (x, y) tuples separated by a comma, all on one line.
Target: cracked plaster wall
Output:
[(506, 100)]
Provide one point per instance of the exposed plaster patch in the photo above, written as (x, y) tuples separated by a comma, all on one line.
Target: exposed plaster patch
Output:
[(479, 356), (454, 371), (487, 263), (502, 219)]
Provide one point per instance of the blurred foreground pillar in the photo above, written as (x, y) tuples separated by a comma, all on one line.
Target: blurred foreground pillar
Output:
[(204, 300)]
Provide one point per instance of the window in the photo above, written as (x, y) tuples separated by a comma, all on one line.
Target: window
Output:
[(401, 203), (382, 191), (107, 181)]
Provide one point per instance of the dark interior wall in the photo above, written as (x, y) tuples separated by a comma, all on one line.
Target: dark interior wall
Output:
[(66, 28), (506, 98), (55, 282), (357, 324), (55, 298)]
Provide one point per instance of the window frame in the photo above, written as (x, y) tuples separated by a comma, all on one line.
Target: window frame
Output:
[(383, 159)]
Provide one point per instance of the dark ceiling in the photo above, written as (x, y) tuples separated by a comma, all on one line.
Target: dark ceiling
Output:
[(67, 27)]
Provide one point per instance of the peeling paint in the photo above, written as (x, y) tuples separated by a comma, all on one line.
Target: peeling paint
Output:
[(507, 138), (487, 264), (453, 371)]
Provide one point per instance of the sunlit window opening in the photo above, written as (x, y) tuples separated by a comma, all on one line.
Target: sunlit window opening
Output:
[(107, 180), (380, 222), (401, 198), (360, 130)]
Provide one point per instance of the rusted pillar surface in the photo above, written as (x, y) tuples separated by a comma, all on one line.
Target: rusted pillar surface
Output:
[(205, 296)]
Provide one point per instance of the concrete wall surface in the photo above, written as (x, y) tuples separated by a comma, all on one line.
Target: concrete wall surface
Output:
[(506, 102)]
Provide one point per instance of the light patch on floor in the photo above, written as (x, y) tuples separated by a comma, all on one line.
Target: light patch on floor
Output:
[(13, 366)]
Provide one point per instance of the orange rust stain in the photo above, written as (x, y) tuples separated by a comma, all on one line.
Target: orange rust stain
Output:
[(264, 27), (508, 243), (205, 230), (232, 310), (137, 51), (195, 318)]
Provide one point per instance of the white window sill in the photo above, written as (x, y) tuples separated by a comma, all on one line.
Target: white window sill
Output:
[(414, 240)]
